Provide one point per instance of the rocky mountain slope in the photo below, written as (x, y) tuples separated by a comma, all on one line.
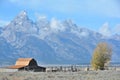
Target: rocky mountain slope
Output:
[(50, 42)]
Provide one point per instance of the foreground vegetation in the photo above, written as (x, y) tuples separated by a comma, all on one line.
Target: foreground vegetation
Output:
[(82, 75), (101, 56)]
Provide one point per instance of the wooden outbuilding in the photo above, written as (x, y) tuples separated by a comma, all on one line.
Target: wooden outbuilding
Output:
[(27, 64)]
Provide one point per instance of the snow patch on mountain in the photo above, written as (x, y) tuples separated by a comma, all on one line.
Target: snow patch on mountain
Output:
[(117, 29), (105, 30), (56, 25), (54, 41)]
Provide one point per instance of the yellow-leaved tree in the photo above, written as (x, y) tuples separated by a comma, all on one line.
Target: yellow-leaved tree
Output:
[(101, 56)]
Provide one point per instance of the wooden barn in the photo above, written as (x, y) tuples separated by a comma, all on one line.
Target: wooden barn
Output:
[(27, 64)]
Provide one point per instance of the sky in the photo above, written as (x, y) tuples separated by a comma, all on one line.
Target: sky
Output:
[(97, 15)]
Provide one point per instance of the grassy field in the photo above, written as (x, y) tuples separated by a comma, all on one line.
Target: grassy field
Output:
[(82, 75)]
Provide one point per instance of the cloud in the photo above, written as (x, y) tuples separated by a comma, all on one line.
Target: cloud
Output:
[(117, 29), (3, 23), (56, 25), (105, 30), (40, 16)]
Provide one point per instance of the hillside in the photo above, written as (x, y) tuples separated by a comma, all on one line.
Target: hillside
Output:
[(51, 42)]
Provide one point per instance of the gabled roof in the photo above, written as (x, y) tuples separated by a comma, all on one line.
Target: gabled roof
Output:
[(16, 66), (21, 62)]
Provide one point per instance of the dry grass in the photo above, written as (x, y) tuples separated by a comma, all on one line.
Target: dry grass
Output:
[(82, 75)]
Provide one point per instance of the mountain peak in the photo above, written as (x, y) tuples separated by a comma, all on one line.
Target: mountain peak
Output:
[(23, 13), (70, 23), (22, 16)]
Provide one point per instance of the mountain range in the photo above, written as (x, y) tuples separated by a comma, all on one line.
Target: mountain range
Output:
[(51, 41)]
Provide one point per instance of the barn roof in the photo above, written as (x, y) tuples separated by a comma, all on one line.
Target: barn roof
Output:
[(21, 62), (16, 66)]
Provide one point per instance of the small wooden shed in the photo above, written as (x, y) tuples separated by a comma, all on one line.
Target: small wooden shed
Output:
[(27, 64)]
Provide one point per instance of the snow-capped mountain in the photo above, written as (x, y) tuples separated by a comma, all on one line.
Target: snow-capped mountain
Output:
[(1, 29), (116, 37), (50, 42)]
